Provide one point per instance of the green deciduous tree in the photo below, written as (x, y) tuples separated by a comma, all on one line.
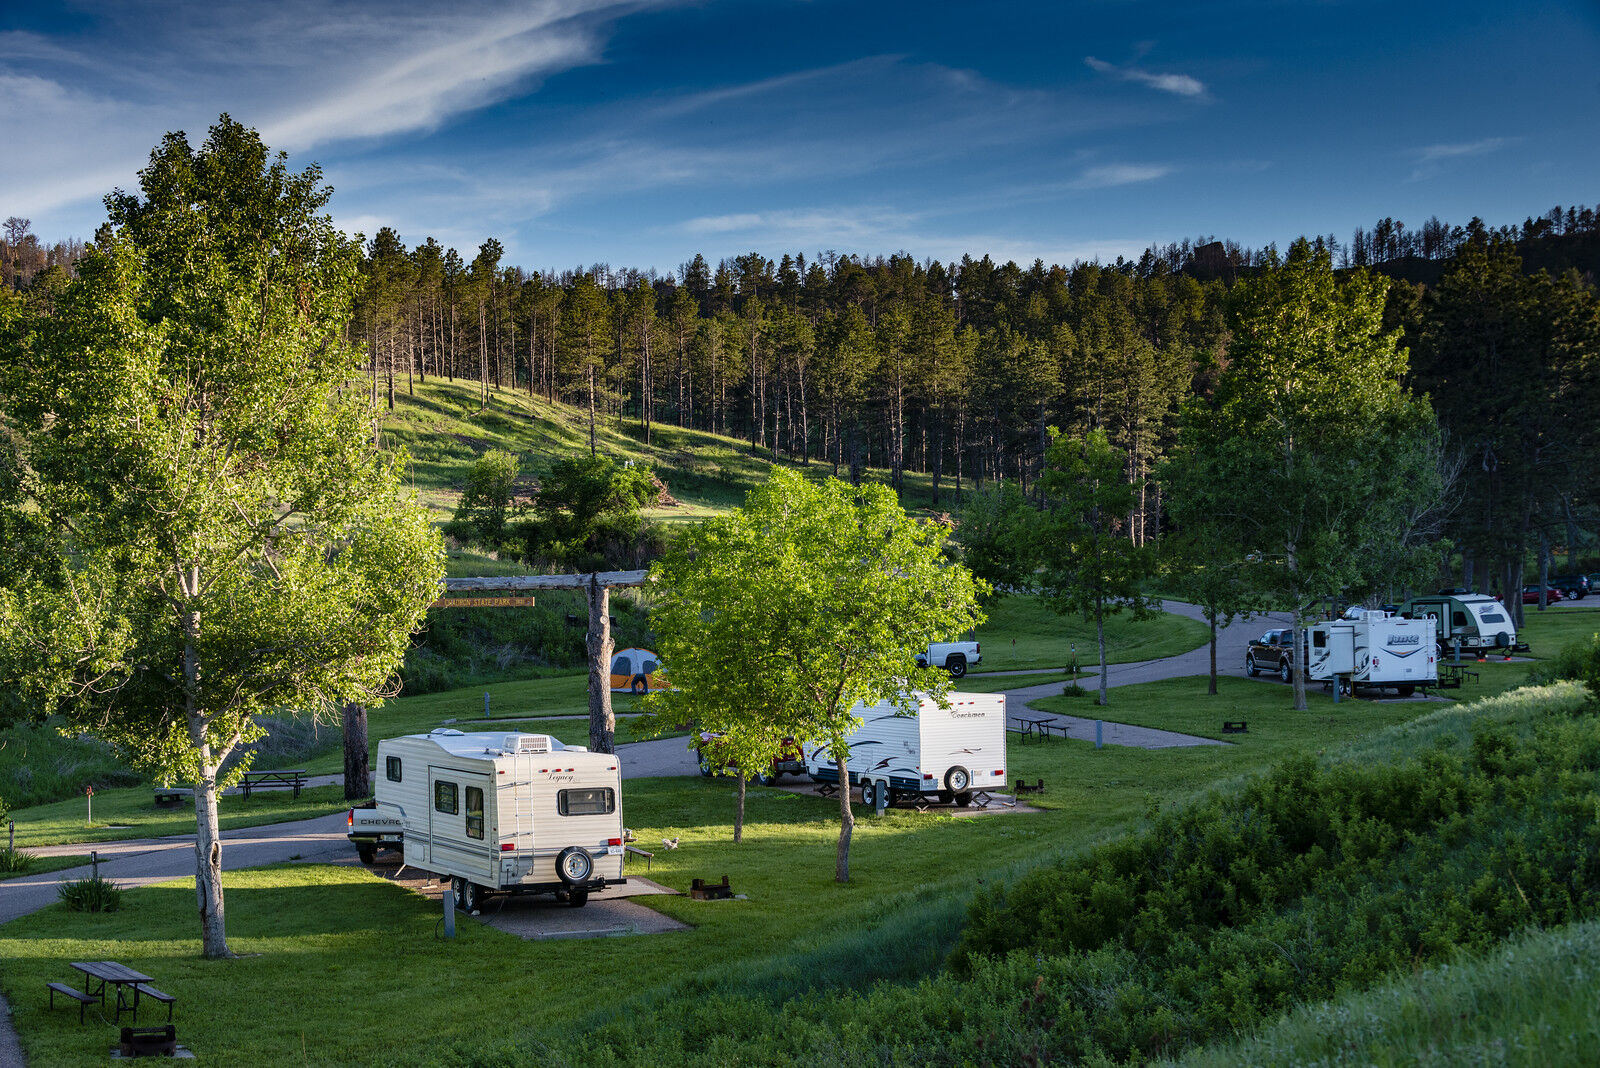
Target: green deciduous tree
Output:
[(776, 620), (583, 498), (223, 541), (1310, 450), (1087, 562), (486, 499)]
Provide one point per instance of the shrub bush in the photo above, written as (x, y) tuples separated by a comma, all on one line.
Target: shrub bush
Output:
[(93, 894), (13, 860), (1579, 661)]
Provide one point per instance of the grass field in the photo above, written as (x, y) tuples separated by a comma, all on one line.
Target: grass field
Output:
[(368, 942), (38, 865)]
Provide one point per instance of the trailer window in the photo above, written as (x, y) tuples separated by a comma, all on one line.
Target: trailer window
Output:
[(1491, 616), (1319, 639), (474, 812), (391, 768), (586, 802), (1458, 619), (444, 798)]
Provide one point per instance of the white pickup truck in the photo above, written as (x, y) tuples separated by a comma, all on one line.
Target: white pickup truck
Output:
[(372, 830), (954, 657)]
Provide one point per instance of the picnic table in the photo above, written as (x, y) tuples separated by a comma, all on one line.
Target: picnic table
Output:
[(118, 975), (261, 780), (1035, 727)]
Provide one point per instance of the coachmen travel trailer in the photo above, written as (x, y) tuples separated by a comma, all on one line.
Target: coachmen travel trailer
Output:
[(1373, 649), (946, 753), (498, 813)]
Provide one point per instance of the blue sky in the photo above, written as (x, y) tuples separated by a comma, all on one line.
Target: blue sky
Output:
[(638, 133)]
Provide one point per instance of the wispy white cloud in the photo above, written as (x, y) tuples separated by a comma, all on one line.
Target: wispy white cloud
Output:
[(1177, 84), (1431, 159), (1115, 174)]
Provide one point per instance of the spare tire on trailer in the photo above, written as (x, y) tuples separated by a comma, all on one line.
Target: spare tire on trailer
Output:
[(574, 865), (957, 779)]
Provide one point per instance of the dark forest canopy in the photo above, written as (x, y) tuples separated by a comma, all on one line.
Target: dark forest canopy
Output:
[(957, 370)]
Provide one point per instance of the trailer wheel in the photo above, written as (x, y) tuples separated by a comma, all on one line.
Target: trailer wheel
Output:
[(963, 800), (469, 895), (957, 779), (574, 865), (869, 793), (945, 797), (577, 898), (956, 664), (1405, 691)]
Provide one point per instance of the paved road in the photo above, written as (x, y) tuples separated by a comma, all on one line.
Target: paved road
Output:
[(1232, 641)]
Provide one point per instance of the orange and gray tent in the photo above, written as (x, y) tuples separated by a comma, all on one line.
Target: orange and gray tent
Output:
[(636, 671)]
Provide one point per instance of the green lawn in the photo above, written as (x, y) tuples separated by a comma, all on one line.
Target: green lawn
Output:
[(370, 943), (1023, 632), (130, 812), (1548, 632)]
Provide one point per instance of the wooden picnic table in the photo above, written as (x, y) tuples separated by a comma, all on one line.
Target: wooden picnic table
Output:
[(1038, 727), (259, 780), (120, 976)]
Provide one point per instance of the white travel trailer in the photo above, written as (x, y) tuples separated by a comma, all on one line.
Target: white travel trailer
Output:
[(946, 753), (503, 813), (1374, 649)]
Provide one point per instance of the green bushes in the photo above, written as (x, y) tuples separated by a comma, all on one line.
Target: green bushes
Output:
[(1579, 661), (13, 860), (93, 894), (1311, 882)]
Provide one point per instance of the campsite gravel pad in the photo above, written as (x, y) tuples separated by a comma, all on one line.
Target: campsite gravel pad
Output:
[(535, 916)]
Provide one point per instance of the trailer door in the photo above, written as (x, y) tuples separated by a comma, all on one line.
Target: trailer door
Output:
[(456, 824)]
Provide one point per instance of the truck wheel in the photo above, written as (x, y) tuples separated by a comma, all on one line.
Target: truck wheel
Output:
[(577, 898), (764, 779), (957, 779), (574, 865), (956, 664), (1283, 671), (869, 793), (1250, 666), (367, 853), (705, 767)]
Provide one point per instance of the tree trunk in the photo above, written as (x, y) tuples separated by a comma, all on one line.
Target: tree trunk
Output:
[(1100, 635), (357, 770), (738, 813), (207, 839), (847, 823), (1211, 617), (602, 721)]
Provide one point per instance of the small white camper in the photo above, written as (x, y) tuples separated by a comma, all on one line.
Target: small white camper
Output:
[(1374, 649), (504, 813), (948, 753)]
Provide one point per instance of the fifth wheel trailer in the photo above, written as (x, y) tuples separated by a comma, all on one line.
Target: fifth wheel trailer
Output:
[(501, 813), (948, 753)]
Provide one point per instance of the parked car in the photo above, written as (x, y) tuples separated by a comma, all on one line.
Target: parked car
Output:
[(791, 758), (1273, 651), (1530, 594), (1574, 586)]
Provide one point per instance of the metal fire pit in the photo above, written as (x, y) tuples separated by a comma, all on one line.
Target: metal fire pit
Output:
[(149, 1041)]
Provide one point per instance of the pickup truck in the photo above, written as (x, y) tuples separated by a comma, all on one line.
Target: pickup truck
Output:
[(1273, 651), (954, 657), (370, 832)]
